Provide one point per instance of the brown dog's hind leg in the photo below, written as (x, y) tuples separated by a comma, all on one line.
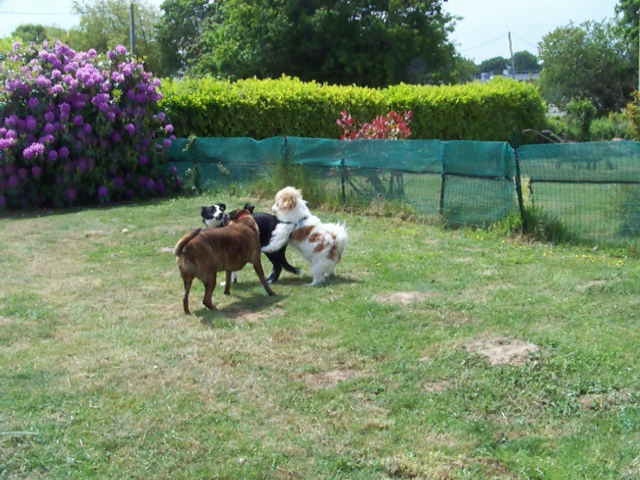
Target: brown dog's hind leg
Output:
[(208, 291), (227, 282), (257, 266), (187, 280)]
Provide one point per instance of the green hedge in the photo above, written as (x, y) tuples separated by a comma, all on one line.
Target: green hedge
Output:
[(206, 107)]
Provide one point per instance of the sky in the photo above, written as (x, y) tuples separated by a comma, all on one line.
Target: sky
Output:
[(483, 31), (479, 35)]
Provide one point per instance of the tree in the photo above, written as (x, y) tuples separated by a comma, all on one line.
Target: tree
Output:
[(38, 33), (372, 43), (30, 32), (179, 32), (105, 24), (495, 65), (526, 62), (589, 61)]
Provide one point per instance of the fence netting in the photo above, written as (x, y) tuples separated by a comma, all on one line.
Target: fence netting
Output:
[(593, 189)]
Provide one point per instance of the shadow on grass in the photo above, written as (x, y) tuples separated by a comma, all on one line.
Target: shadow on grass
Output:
[(59, 211), (245, 309), (304, 281)]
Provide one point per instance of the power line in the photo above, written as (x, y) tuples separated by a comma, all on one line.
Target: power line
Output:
[(484, 43), (9, 12)]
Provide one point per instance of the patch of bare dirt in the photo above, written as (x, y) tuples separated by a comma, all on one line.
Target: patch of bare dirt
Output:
[(591, 286), (404, 298), (330, 379), (246, 315), (95, 233), (436, 387), (502, 351), (603, 401)]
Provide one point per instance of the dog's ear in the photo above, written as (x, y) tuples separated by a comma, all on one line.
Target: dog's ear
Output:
[(202, 210), (222, 206), (249, 206)]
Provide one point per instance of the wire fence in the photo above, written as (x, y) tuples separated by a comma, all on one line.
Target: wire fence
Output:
[(592, 189)]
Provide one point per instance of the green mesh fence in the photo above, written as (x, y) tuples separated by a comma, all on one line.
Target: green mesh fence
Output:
[(592, 189), (460, 182)]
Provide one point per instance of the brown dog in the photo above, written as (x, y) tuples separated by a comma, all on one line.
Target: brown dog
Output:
[(205, 252)]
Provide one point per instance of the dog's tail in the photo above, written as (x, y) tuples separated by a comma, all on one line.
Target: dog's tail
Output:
[(177, 250), (339, 231), (279, 237)]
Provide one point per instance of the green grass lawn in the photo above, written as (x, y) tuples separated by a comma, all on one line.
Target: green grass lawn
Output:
[(404, 366)]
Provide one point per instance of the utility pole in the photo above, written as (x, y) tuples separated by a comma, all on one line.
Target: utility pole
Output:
[(132, 29), (513, 63)]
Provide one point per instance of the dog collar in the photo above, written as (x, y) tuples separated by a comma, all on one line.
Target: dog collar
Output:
[(296, 224)]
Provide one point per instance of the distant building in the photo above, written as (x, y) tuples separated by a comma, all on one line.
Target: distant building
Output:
[(520, 77)]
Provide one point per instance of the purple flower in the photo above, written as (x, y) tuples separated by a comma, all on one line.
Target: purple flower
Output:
[(49, 128), (56, 90), (36, 171), (121, 50), (33, 150), (150, 184), (166, 143), (63, 152), (3, 201), (49, 116), (31, 123), (33, 103), (118, 182), (87, 128), (143, 159), (12, 182), (6, 143), (43, 81), (103, 192), (168, 129), (71, 194), (130, 128), (11, 121), (52, 156), (78, 120)]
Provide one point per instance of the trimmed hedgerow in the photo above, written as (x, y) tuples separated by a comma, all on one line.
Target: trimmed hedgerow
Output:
[(80, 128), (207, 107)]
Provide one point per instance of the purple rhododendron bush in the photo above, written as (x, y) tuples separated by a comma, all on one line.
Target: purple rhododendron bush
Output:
[(78, 128)]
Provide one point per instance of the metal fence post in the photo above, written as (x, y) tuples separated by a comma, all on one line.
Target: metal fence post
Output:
[(518, 182), (343, 181)]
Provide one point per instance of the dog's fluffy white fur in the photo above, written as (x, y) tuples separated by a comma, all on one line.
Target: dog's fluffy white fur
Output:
[(321, 244)]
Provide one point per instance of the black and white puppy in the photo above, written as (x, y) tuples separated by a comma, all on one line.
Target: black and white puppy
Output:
[(214, 216)]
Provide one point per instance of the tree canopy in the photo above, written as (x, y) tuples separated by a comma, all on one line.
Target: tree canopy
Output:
[(495, 65), (365, 42), (105, 23), (588, 61)]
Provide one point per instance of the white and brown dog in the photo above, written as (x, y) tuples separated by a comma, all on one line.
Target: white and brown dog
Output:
[(321, 244)]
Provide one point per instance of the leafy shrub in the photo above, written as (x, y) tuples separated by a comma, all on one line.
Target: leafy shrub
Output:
[(581, 112), (79, 128), (392, 126), (265, 108), (614, 125), (632, 112)]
